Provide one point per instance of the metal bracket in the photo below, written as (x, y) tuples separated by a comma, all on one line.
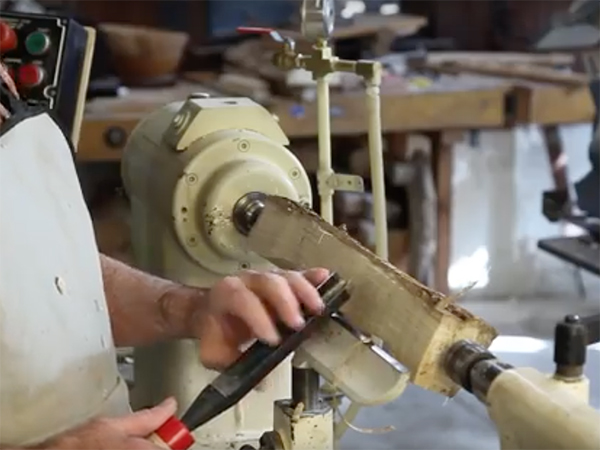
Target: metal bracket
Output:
[(343, 182)]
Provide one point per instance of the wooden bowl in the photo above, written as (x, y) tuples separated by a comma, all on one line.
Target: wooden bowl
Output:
[(145, 56)]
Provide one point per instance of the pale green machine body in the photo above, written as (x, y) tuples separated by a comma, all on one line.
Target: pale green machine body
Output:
[(184, 168)]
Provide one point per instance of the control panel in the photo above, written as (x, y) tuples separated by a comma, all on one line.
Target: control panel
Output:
[(49, 58)]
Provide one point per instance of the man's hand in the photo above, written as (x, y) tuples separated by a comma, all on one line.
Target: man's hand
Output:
[(145, 309), (124, 433), (243, 307)]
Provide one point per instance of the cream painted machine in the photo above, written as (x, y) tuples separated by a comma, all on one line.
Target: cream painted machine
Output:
[(188, 166), (185, 168)]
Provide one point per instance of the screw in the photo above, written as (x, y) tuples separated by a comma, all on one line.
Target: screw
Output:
[(244, 146), (60, 284), (191, 178), (294, 173), (191, 241), (115, 137)]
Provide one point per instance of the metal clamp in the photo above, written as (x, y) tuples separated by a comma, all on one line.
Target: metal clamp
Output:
[(344, 182)]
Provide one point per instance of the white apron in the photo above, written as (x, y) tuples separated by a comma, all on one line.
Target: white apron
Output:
[(57, 358)]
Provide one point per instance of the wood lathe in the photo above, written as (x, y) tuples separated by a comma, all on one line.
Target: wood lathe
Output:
[(215, 190)]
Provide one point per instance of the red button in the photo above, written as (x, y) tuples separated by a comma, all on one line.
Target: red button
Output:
[(8, 37), (30, 75)]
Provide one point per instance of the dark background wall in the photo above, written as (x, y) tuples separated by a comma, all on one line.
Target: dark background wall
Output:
[(503, 25), (473, 24)]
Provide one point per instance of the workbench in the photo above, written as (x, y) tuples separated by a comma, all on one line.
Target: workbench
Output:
[(441, 112)]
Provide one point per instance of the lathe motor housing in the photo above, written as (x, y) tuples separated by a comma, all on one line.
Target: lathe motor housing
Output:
[(184, 168)]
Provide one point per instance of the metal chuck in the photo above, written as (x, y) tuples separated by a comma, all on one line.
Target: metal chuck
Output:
[(473, 367), (247, 210)]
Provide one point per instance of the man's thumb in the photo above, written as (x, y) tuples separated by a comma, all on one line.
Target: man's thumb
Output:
[(146, 421)]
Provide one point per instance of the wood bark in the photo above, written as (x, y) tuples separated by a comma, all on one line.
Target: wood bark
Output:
[(416, 324)]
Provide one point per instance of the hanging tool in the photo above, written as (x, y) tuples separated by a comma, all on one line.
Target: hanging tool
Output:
[(247, 372)]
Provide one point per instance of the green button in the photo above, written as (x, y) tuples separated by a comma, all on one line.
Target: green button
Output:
[(37, 43)]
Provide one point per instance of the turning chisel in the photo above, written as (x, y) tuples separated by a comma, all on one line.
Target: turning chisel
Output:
[(233, 384)]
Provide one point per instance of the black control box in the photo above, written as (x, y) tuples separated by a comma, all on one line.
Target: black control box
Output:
[(46, 56)]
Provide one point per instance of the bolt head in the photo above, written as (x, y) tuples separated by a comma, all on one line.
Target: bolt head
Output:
[(572, 318)]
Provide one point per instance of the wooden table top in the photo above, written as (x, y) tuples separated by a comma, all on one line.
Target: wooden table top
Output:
[(459, 104)]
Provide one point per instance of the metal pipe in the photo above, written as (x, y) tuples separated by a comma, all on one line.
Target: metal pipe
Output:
[(325, 169), (305, 382), (343, 65), (305, 388), (377, 169)]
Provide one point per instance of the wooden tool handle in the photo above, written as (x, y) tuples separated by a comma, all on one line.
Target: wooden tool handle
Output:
[(172, 435)]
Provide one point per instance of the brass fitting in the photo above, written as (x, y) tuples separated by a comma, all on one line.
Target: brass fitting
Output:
[(287, 58), (321, 62), (371, 71)]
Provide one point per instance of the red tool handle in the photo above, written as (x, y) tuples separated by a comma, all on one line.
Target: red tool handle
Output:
[(172, 435), (254, 30)]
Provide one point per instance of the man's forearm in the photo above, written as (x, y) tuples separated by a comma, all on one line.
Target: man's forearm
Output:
[(145, 309)]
